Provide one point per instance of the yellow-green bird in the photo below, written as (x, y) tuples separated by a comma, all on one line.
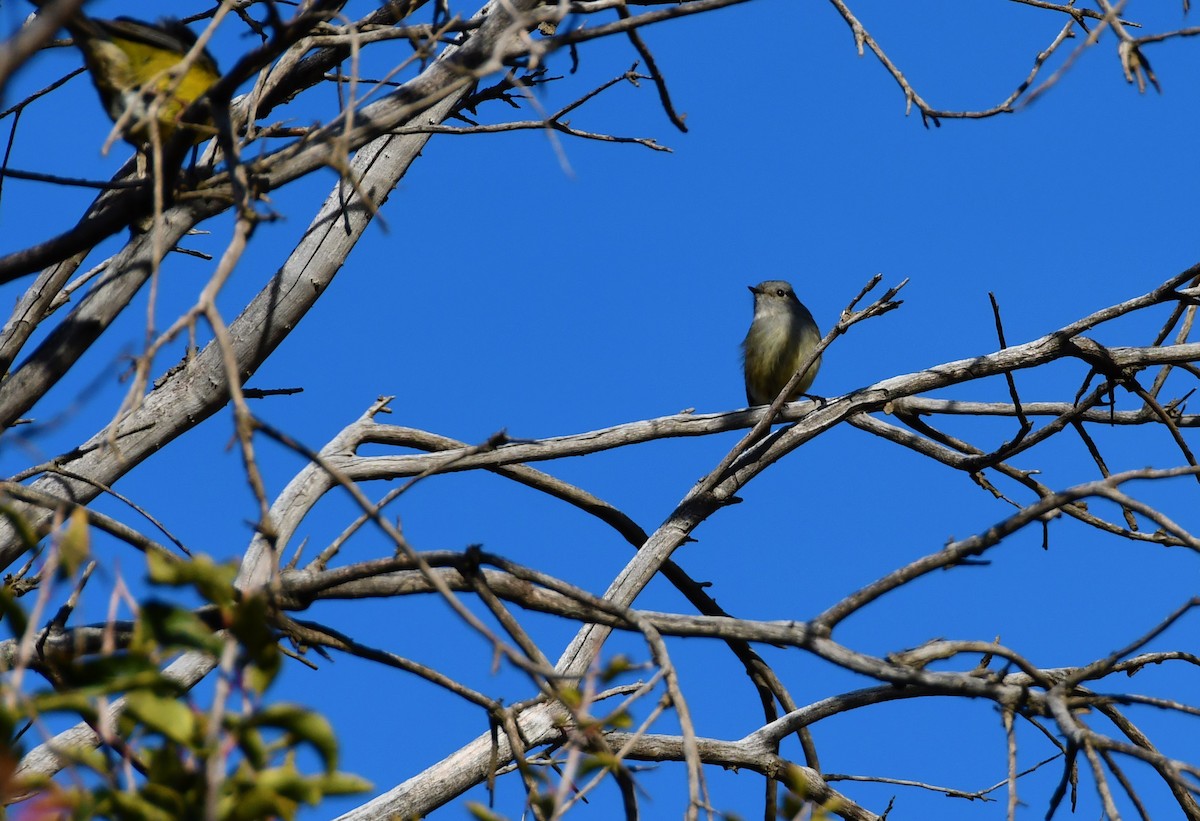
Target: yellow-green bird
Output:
[(782, 336), (133, 64)]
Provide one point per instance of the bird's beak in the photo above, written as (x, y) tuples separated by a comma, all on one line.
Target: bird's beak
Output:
[(753, 289)]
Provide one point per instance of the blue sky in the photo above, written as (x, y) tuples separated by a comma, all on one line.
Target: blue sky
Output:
[(507, 292)]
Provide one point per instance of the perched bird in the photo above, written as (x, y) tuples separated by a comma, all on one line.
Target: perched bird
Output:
[(133, 63), (781, 338)]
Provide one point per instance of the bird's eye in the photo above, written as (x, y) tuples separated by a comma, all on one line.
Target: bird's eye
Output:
[(778, 292)]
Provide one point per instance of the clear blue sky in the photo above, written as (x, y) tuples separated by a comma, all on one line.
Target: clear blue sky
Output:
[(509, 293)]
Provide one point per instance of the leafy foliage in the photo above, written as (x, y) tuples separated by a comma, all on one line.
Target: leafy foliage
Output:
[(167, 756)]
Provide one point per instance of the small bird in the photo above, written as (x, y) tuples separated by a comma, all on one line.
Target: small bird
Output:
[(132, 62), (781, 338)]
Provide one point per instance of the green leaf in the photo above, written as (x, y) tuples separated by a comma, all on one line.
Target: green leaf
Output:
[(165, 766), (620, 720), (90, 757), (165, 716), (214, 582), (75, 545), (12, 612), (170, 627), (599, 761), (254, 805), (9, 718), (251, 625), (618, 666), (257, 679), (286, 781), (250, 742), (134, 806), (117, 673), (65, 702), (266, 794), (570, 697), (340, 783), (304, 725), (167, 798)]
